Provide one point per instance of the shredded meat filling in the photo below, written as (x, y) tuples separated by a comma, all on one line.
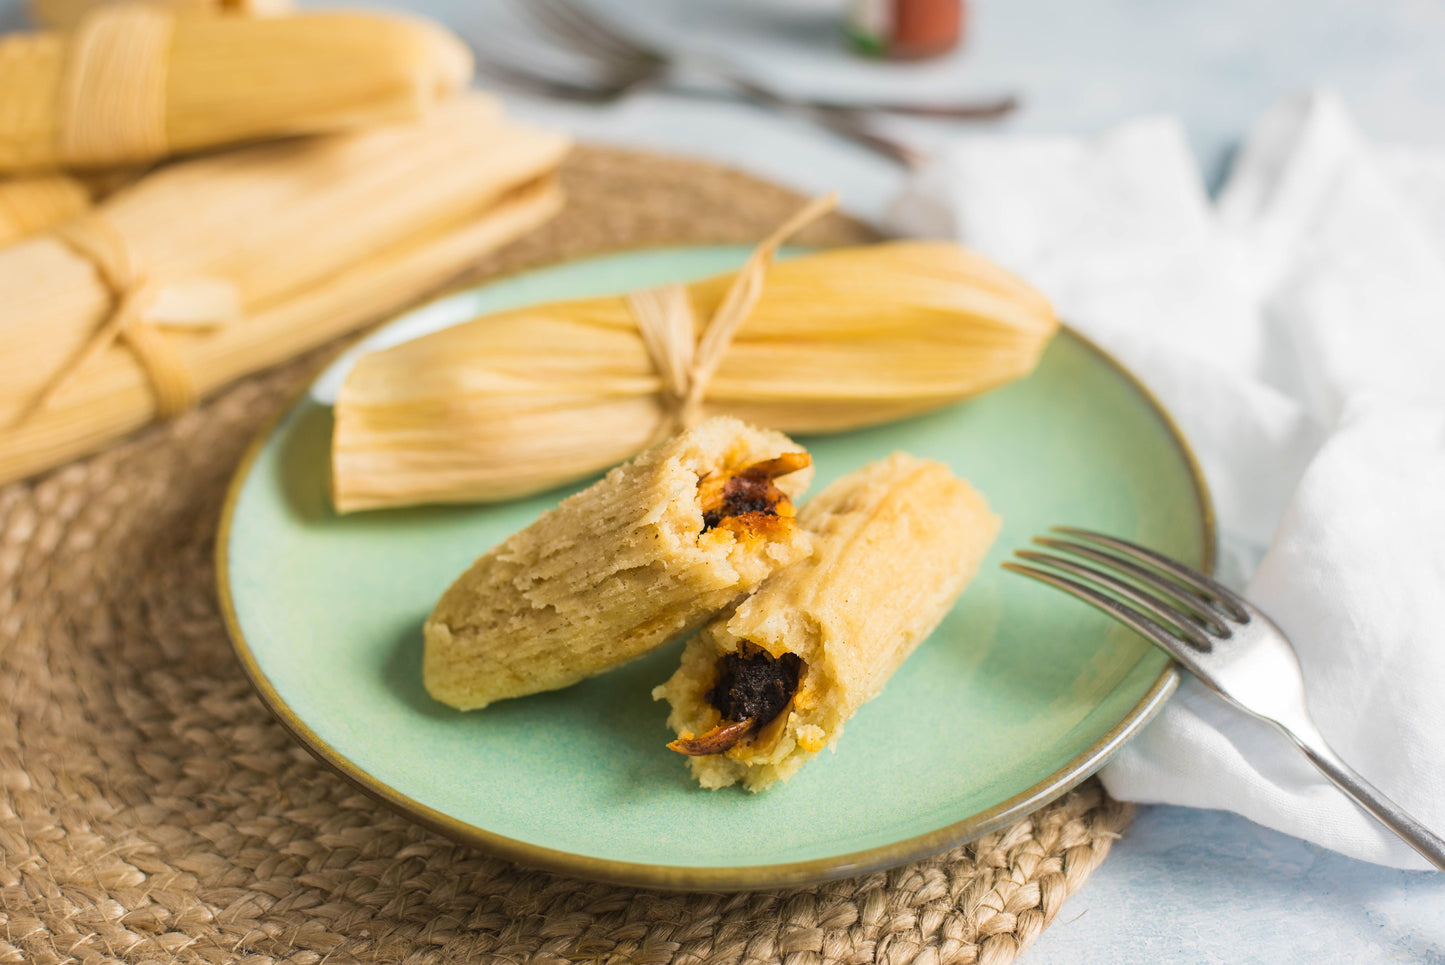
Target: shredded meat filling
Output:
[(751, 495), (715, 741), (751, 690), (756, 686)]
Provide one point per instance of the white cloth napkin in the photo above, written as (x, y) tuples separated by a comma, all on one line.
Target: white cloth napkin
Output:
[(1295, 328)]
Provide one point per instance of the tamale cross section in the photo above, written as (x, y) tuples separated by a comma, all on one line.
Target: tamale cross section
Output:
[(643, 556), (768, 684)]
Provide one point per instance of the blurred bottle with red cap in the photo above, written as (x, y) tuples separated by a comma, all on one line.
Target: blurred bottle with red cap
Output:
[(906, 29)]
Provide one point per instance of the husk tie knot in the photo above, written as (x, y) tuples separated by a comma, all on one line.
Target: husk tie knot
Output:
[(669, 330), (140, 306)]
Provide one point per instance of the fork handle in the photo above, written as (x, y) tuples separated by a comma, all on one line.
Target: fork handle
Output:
[(836, 119), (840, 120), (1369, 797)]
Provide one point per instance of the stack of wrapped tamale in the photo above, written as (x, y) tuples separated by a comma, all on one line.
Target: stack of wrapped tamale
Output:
[(283, 180)]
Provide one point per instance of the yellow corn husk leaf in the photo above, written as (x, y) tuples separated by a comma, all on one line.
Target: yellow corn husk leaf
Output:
[(31, 204), (517, 402), (62, 14), (28, 205), (309, 237), (233, 79)]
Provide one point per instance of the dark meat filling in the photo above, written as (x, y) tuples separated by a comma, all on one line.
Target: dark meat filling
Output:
[(751, 690), (755, 686), (750, 495), (748, 492)]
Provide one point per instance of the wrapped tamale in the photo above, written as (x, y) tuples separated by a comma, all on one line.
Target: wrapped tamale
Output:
[(523, 400), (645, 555), (64, 14), (134, 82), (212, 268), (766, 686), (31, 204)]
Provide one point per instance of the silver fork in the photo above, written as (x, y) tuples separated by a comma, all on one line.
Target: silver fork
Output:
[(621, 63), (1218, 636)]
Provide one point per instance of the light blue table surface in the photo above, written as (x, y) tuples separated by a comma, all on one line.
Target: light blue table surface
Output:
[(1182, 885)]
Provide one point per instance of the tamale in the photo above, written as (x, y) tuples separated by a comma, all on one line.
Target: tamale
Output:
[(253, 256), (763, 688), (28, 205), (523, 400), (67, 13), (135, 82), (644, 555)]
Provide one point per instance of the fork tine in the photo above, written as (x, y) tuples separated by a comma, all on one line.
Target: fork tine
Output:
[(583, 16), (582, 36), (1108, 604), (563, 30), (1230, 601), (1175, 620), (1203, 609)]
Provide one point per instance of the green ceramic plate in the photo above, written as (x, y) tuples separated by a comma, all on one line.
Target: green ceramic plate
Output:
[(1019, 695)]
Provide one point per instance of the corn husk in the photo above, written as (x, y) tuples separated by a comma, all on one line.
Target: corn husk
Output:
[(28, 205), (209, 81), (308, 237), (524, 400), (62, 14), (31, 204)]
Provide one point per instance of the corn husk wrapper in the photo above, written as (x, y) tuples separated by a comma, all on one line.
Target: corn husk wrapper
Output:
[(309, 238), (63, 14), (524, 400), (134, 83), (28, 205)]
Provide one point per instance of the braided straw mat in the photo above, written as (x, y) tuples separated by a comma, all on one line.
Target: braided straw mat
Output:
[(152, 811)]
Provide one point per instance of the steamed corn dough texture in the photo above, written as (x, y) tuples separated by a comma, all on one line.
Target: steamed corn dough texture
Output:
[(234, 79), (613, 572), (523, 400), (893, 546)]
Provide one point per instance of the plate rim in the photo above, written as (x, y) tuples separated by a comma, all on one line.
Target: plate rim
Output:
[(687, 877)]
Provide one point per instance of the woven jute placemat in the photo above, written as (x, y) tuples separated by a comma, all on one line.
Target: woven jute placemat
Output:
[(152, 811)]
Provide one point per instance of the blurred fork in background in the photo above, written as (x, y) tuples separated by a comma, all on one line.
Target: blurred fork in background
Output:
[(616, 63)]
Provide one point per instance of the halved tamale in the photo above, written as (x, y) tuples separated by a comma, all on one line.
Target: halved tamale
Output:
[(646, 554), (767, 685)]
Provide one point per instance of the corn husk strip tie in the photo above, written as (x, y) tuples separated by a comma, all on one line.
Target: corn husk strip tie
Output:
[(135, 293), (113, 91), (669, 330)]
